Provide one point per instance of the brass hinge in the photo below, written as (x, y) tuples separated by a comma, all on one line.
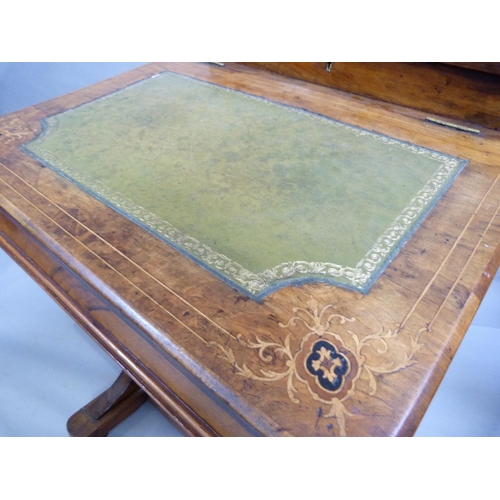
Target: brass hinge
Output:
[(453, 125)]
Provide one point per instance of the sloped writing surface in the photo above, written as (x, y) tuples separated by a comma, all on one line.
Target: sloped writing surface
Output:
[(261, 194)]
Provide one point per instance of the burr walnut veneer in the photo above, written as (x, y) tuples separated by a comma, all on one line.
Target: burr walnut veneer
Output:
[(313, 359)]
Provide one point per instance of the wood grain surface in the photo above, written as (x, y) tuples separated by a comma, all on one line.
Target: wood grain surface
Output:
[(219, 363), (451, 90)]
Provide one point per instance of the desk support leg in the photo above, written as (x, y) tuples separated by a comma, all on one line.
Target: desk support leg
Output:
[(109, 409)]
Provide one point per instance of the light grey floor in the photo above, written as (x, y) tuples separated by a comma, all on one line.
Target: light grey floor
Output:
[(49, 367)]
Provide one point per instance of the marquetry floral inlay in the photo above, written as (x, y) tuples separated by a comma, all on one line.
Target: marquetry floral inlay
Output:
[(327, 365), (13, 129), (331, 360)]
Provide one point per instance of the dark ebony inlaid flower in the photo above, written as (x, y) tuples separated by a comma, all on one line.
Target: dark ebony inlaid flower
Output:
[(328, 365)]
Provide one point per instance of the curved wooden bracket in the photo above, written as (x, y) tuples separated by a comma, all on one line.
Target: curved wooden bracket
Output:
[(108, 409)]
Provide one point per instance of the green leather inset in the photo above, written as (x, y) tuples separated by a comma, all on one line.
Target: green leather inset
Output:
[(260, 193)]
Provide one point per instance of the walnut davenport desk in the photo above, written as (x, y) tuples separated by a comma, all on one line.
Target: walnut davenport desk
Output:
[(225, 322)]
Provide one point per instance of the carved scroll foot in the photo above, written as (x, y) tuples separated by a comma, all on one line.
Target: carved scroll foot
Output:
[(107, 410)]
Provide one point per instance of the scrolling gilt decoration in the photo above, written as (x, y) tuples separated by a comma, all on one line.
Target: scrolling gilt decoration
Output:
[(331, 360)]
